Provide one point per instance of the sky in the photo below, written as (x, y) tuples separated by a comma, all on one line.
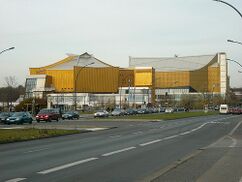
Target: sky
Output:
[(43, 31)]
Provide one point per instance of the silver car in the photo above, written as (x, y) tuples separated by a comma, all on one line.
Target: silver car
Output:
[(101, 113)]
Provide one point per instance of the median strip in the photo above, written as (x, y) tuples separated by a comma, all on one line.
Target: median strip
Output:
[(118, 151), (51, 170)]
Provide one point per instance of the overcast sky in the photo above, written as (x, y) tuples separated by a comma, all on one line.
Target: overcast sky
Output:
[(43, 31)]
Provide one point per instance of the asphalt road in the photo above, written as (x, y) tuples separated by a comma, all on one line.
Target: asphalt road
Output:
[(134, 151)]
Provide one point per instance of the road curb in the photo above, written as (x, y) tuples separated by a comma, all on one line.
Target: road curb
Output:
[(173, 165), (154, 177)]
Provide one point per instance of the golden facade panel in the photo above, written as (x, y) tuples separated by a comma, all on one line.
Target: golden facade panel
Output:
[(126, 78), (96, 80), (37, 71), (172, 79), (62, 80), (199, 79), (214, 79), (144, 77)]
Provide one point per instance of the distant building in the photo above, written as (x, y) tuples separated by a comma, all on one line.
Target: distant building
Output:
[(87, 81)]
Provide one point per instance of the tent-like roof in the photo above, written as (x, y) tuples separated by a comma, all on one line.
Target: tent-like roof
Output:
[(188, 63), (77, 60)]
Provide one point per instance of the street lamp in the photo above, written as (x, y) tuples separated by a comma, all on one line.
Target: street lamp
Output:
[(76, 79), (235, 62), (8, 49), (230, 5), (234, 41)]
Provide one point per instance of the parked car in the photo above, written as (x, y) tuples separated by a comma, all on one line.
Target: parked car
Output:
[(235, 110), (117, 112), (47, 115), (130, 111), (169, 110), (162, 109), (70, 115), (142, 111), (101, 114), (19, 118), (4, 116)]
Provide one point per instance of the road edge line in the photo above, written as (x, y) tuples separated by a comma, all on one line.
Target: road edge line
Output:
[(175, 164)]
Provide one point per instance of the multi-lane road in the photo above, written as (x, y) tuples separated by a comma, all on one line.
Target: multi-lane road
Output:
[(193, 149)]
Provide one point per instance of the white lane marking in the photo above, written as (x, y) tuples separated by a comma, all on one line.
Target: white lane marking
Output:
[(114, 136), (234, 142), (138, 133), (118, 151), (185, 133), (35, 150), (16, 180), (151, 142), (182, 134), (67, 166), (235, 128), (95, 129), (170, 137)]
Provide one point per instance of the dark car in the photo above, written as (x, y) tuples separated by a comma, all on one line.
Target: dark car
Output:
[(118, 112), (142, 111), (47, 115), (4, 116), (130, 111), (19, 118), (70, 115)]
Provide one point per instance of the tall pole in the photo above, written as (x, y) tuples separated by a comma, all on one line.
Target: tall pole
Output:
[(230, 5), (128, 92), (120, 95), (75, 81), (8, 49)]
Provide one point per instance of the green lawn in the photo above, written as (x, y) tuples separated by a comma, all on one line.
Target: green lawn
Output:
[(15, 135), (168, 116)]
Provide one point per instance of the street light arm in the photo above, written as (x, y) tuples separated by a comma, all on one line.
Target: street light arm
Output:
[(230, 6), (235, 62), (80, 71), (76, 78), (8, 49), (233, 41)]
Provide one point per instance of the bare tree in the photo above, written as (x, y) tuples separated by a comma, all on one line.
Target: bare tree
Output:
[(11, 81)]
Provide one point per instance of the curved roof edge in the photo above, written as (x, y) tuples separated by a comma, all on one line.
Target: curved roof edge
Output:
[(172, 64), (75, 59)]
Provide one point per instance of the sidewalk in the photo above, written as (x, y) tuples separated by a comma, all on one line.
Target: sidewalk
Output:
[(219, 162)]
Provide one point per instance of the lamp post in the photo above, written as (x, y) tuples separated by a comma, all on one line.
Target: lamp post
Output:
[(8, 49), (235, 62), (230, 5), (75, 81), (234, 41)]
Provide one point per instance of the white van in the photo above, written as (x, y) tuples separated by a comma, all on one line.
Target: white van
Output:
[(224, 109)]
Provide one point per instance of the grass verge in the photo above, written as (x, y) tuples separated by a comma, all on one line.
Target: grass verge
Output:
[(16, 135), (167, 116)]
